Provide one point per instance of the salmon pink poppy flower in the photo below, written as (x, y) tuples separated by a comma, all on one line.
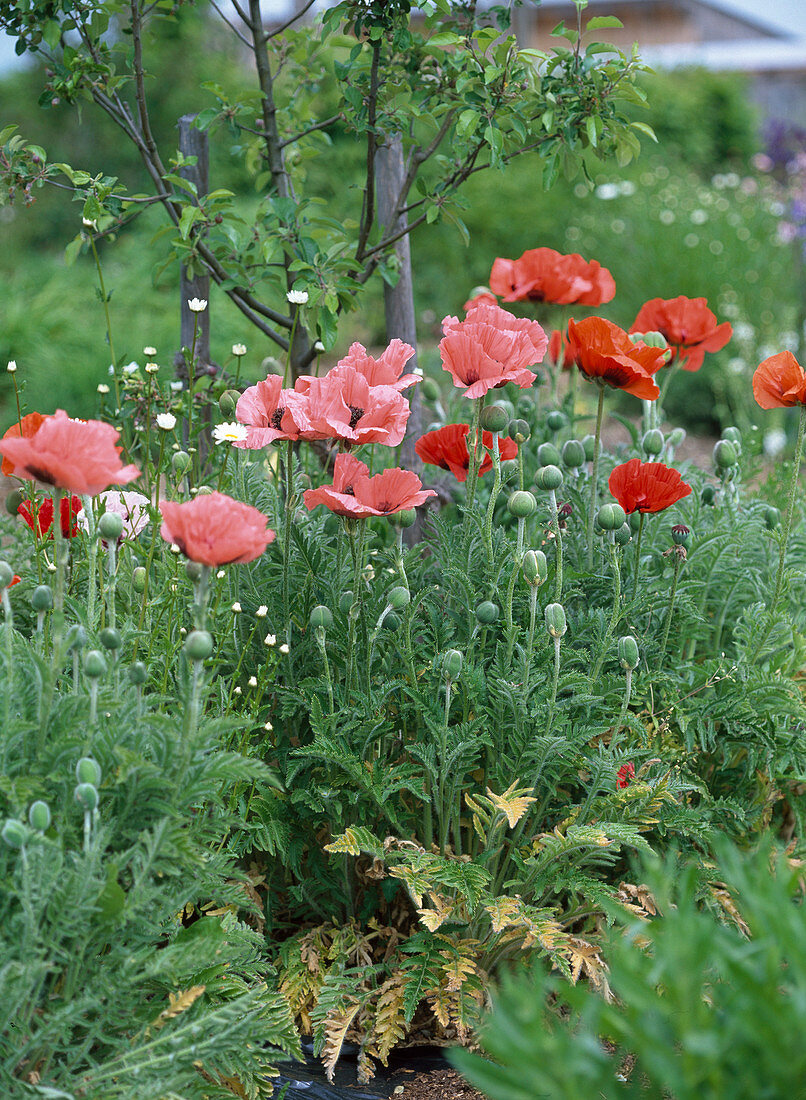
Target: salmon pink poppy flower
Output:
[(28, 426), (263, 410), (386, 371), (780, 382), (130, 506), (394, 490), (447, 448), (544, 275), (340, 496), (605, 353), (39, 516), (215, 530), (687, 324), (343, 405), (490, 348), (482, 298), (77, 455), (647, 486)]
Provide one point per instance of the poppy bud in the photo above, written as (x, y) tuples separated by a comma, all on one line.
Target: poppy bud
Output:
[(228, 401), (204, 491), (398, 598), (519, 430), (138, 673), (193, 571), (652, 442), (404, 518), (611, 517), (494, 419), (110, 638), (94, 664), (708, 494), (733, 435), (548, 455), (345, 601), (535, 567), (676, 437), (139, 579), (487, 612), (588, 445), (522, 504), (681, 535), (651, 339), (272, 366), (634, 520), (525, 406), (429, 389), (110, 526), (42, 598), (452, 664), (724, 454), (573, 454), (321, 617), (181, 463), (548, 477), (76, 637), (772, 517), (14, 833), (13, 502), (628, 654), (392, 621), (556, 421), (6, 574), (199, 645), (39, 816), (88, 771), (86, 795), (623, 534), (555, 620)]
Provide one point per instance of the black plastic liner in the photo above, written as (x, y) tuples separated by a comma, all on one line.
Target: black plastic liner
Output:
[(306, 1080)]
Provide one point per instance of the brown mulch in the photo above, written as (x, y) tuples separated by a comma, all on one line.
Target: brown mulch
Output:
[(439, 1084)]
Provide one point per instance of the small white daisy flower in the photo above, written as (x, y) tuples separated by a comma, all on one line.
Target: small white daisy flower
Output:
[(284, 648), (197, 305), (176, 387), (221, 574), (297, 297), (12, 367), (237, 691), (236, 608), (239, 349), (229, 433), (262, 612), (149, 352), (319, 346), (270, 639), (175, 549), (268, 727), (253, 681), (102, 388), (152, 368), (166, 421)]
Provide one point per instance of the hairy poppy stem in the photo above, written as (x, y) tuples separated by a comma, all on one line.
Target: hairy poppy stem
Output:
[(488, 522), (92, 560), (531, 643), (558, 543), (670, 610), (472, 476), (320, 641), (8, 631), (444, 818), (555, 679), (597, 446), (616, 613), (625, 702), (638, 555), (289, 509)]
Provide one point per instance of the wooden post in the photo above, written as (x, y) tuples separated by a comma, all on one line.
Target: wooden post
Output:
[(194, 143)]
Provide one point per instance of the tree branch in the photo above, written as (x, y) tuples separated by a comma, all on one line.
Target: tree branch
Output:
[(368, 206), (274, 149), (310, 130), (287, 24), (232, 27)]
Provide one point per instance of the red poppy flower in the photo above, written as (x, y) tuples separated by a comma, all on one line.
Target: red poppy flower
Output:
[(14, 580), (688, 325), (647, 486), (543, 275), (604, 352), (340, 496), (490, 348), (216, 530), (71, 454), (263, 409), (28, 426), (394, 490), (560, 351), (780, 382), (447, 447), (39, 517), (343, 405), (625, 773)]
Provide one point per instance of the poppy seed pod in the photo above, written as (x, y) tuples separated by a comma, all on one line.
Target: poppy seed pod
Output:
[(430, 390), (110, 638), (548, 455), (681, 535), (487, 612), (346, 601), (6, 574), (733, 435), (588, 445), (13, 502), (391, 622), (398, 597), (772, 517), (139, 579), (494, 419), (404, 518), (519, 430), (628, 654), (321, 617), (94, 664), (652, 442), (42, 598), (622, 534), (138, 673), (110, 526), (611, 517), (76, 637), (724, 454), (573, 454), (86, 795), (522, 504), (199, 645), (39, 816), (452, 664), (708, 494), (13, 833), (548, 477), (181, 463), (556, 420), (88, 771), (535, 567), (555, 620)]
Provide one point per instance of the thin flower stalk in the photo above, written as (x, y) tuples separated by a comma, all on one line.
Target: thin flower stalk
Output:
[(597, 446), (289, 516), (637, 570), (356, 532), (531, 639), (474, 447), (555, 679), (319, 633), (678, 561), (558, 543), (510, 596), (615, 614), (8, 637), (443, 812), (496, 489)]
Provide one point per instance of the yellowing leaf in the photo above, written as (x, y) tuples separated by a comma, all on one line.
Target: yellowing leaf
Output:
[(513, 803), (177, 1004)]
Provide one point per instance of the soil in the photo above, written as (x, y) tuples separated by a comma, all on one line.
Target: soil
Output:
[(439, 1084)]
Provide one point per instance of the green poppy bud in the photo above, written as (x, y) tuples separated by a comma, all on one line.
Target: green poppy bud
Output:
[(681, 535), (573, 454), (556, 421), (772, 517), (204, 491), (391, 621), (86, 795), (429, 389), (181, 463), (13, 502), (506, 405), (708, 494), (193, 571), (138, 673), (634, 520), (724, 454), (42, 598), (399, 598), (548, 477), (623, 534), (555, 620), (628, 654), (110, 638), (548, 455), (452, 664), (14, 833), (522, 504), (588, 445), (652, 442), (321, 617), (139, 579), (519, 430), (6, 574), (733, 435), (611, 517), (405, 518), (651, 339), (525, 406), (494, 419), (199, 645), (76, 637), (94, 664), (535, 567), (345, 601), (227, 403), (88, 771), (272, 366), (487, 612), (39, 816), (110, 526)]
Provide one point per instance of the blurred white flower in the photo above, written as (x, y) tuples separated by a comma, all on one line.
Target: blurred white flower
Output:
[(166, 421), (176, 386), (152, 368), (262, 612), (197, 305), (666, 217), (297, 297), (149, 352), (774, 442), (284, 648), (698, 217), (737, 365), (627, 187), (12, 366), (102, 388), (221, 574), (236, 608), (239, 349), (743, 330), (130, 368), (268, 727), (607, 191), (319, 346), (253, 681)]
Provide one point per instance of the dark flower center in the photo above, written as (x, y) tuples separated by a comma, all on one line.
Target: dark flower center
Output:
[(348, 490), (277, 418), (471, 376), (355, 415), (41, 475)]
